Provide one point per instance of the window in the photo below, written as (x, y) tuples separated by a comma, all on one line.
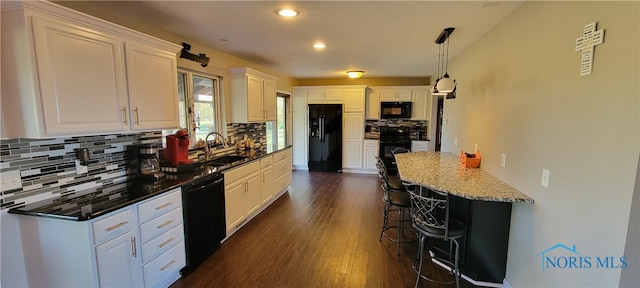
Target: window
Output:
[(200, 110), (277, 131)]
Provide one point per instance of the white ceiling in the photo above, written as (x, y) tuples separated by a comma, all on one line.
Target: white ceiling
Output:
[(383, 38)]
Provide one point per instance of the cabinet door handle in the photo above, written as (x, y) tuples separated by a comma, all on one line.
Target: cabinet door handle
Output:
[(165, 224), (114, 227), (163, 206), (137, 120), (168, 265), (134, 253), (124, 115), (166, 242)]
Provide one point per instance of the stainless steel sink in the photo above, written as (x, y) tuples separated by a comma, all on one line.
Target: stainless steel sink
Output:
[(223, 160)]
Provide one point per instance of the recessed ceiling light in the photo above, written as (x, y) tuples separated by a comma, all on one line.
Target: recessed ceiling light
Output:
[(288, 13), (319, 45)]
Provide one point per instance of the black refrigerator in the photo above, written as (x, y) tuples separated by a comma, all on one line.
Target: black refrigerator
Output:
[(325, 137)]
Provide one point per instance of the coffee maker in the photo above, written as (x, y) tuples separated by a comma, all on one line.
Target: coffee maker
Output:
[(144, 161)]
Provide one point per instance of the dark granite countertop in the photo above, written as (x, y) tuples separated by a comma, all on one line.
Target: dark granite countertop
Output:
[(95, 202)]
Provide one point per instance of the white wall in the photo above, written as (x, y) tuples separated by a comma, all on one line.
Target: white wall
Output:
[(520, 93)]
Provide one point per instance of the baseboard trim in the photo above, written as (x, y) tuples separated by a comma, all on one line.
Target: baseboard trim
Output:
[(472, 281)]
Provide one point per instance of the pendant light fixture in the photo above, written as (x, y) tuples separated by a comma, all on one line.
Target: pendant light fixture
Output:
[(446, 84)]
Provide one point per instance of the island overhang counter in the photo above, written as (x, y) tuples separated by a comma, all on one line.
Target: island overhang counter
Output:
[(479, 200)]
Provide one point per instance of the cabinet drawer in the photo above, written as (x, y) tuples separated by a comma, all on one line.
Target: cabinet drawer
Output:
[(158, 206), (417, 146), (162, 243), (281, 167), (281, 182), (112, 226), (281, 155), (166, 264), (266, 162), (240, 172), (371, 143), (160, 225)]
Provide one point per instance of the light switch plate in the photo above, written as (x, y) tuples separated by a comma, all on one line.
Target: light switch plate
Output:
[(503, 162), (546, 174)]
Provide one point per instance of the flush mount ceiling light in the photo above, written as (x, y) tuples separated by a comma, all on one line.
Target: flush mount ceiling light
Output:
[(319, 45), (287, 12), (355, 74), (446, 84)]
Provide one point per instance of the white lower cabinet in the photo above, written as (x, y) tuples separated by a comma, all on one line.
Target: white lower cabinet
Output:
[(242, 194), (139, 245), (417, 146), (266, 179), (282, 170), (353, 132), (252, 187), (118, 266), (371, 148)]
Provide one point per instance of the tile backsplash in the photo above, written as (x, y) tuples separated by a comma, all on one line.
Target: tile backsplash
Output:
[(372, 127), (48, 170)]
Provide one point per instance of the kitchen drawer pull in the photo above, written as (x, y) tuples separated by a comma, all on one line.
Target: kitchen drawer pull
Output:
[(165, 205), (165, 224), (134, 253), (168, 265), (166, 242), (137, 116), (114, 227), (124, 114)]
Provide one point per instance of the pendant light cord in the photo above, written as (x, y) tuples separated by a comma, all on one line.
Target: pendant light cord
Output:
[(439, 62), (447, 66)]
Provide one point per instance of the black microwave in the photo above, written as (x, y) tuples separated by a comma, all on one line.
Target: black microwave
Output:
[(395, 110)]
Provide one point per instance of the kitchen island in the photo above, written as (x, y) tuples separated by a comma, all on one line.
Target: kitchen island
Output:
[(480, 201)]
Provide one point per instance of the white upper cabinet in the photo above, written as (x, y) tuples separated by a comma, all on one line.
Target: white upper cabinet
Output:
[(66, 73), (153, 84), (69, 82), (395, 94), (322, 95), (373, 104), (354, 100), (421, 103), (253, 94)]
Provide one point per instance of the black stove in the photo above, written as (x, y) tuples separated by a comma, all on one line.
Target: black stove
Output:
[(391, 138)]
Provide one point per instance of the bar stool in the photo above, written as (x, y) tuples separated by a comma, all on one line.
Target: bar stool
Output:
[(430, 218), (395, 200)]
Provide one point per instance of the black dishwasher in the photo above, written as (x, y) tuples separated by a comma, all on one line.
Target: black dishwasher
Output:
[(204, 219)]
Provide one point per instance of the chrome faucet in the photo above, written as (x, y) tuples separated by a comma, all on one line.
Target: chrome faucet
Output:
[(206, 141)]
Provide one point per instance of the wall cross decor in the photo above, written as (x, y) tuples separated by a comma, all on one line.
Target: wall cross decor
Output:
[(590, 38)]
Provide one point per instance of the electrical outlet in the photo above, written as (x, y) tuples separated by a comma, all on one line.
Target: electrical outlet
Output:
[(503, 162), (475, 148), (455, 141), (10, 180), (546, 174), (80, 169)]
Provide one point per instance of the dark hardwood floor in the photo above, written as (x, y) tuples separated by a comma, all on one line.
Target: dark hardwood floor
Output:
[(322, 233)]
